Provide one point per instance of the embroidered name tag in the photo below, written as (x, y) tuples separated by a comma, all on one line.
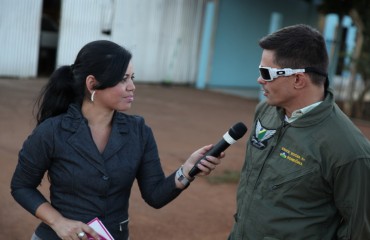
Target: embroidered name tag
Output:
[(291, 156)]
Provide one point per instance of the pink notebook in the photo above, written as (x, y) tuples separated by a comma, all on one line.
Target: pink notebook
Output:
[(99, 227)]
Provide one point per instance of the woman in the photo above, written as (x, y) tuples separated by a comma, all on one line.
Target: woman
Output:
[(92, 151)]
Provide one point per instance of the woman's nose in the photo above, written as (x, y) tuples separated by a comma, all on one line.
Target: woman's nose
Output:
[(131, 86)]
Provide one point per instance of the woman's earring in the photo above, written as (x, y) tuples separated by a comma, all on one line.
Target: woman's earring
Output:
[(92, 96)]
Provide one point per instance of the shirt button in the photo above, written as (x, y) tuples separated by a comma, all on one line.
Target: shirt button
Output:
[(105, 178)]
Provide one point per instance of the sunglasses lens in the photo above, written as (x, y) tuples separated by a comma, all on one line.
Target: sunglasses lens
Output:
[(265, 74)]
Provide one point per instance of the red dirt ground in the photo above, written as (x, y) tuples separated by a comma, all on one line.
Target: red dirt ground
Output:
[(183, 119)]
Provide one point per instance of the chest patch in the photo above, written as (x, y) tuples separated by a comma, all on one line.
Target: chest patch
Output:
[(261, 136), (292, 156)]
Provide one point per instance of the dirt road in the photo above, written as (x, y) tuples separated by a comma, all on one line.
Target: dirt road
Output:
[(182, 119)]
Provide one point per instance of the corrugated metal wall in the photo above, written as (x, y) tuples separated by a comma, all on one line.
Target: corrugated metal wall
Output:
[(20, 23), (80, 23), (163, 35)]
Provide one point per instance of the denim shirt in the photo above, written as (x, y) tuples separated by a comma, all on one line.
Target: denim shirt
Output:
[(84, 182)]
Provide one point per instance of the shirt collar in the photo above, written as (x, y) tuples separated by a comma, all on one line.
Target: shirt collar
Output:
[(299, 112)]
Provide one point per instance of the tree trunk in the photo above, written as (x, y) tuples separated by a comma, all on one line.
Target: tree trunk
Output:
[(348, 105), (360, 103)]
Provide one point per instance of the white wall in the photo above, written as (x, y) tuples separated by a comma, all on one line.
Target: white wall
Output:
[(80, 23), (20, 24), (163, 35)]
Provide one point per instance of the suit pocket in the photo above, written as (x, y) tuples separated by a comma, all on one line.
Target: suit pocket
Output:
[(291, 180)]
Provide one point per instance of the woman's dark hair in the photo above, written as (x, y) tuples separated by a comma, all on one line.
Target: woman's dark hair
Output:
[(105, 60), (299, 46)]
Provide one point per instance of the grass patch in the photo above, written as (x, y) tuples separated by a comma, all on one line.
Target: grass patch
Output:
[(227, 176)]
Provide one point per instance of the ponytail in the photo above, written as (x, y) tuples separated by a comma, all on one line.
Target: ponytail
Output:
[(105, 60), (56, 95)]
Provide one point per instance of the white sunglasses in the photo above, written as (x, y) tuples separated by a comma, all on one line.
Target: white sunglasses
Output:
[(269, 74)]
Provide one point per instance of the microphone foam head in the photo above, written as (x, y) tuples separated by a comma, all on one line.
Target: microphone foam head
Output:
[(238, 130)]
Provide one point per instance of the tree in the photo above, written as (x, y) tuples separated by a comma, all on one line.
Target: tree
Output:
[(359, 11)]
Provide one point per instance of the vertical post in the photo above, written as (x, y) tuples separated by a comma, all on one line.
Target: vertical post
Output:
[(205, 47), (276, 20), (336, 49)]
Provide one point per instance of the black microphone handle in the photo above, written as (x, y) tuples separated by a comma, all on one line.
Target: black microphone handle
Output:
[(214, 152)]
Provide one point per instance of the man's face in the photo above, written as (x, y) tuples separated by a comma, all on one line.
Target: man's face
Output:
[(280, 91)]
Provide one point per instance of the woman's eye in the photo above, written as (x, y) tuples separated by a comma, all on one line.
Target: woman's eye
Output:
[(126, 77)]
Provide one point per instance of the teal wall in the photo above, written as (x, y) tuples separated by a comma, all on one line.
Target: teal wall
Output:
[(239, 26)]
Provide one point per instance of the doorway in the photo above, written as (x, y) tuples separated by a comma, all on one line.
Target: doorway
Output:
[(50, 23)]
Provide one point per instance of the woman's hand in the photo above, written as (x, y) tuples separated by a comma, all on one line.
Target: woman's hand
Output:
[(73, 230), (206, 165), (65, 228)]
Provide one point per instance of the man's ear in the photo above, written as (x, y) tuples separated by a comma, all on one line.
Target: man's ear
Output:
[(91, 83), (300, 80)]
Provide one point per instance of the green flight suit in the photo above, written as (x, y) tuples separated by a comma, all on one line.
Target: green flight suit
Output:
[(309, 179)]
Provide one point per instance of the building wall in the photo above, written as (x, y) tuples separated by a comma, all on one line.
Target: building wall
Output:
[(20, 23), (80, 23), (240, 24), (162, 35)]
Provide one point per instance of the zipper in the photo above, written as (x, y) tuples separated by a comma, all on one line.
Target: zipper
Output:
[(280, 131), (121, 223)]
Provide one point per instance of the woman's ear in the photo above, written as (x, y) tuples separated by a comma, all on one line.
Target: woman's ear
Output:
[(91, 83)]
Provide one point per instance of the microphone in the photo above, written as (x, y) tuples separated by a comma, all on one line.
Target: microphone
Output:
[(230, 137)]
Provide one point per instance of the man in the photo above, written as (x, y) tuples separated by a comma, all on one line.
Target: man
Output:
[(307, 167)]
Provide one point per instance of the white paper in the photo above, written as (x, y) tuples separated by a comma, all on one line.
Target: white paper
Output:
[(99, 227)]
